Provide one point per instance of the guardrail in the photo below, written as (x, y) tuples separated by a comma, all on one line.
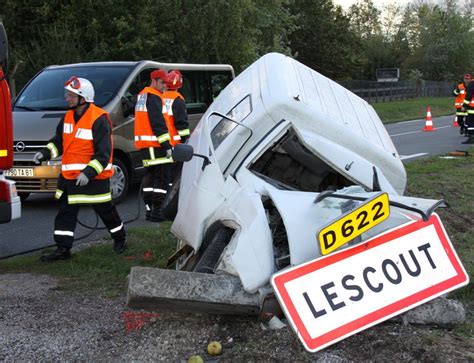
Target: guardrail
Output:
[(374, 92)]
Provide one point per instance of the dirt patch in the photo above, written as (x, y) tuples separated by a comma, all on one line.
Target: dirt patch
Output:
[(43, 323)]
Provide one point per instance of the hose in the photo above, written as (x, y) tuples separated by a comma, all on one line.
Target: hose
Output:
[(92, 229)]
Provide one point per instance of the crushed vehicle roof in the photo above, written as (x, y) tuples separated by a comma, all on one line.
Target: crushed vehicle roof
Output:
[(339, 126)]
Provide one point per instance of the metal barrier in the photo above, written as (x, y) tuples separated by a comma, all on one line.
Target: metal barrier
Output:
[(373, 91)]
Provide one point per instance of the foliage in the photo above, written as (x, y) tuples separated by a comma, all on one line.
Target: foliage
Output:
[(322, 41), (441, 41), (435, 42), (201, 31)]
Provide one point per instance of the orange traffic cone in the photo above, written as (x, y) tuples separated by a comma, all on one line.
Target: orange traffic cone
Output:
[(429, 121), (455, 122)]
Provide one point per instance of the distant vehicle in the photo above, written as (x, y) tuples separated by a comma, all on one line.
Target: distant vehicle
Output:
[(40, 105), (281, 154), (10, 205)]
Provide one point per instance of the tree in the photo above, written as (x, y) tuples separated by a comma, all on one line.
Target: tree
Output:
[(200, 31), (441, 41), (322, 41)]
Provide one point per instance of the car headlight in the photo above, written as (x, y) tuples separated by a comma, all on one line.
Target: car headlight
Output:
[(55, 162)]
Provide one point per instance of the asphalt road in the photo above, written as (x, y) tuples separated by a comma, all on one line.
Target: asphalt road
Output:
[(413, 143), (34, 229)]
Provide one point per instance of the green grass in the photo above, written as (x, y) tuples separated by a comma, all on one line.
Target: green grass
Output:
[(451, 180), (415, 108), (97, 269)]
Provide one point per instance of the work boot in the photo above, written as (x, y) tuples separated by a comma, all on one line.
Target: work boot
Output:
[(61, 253), (148, 212), (156, 215), (120, 246)]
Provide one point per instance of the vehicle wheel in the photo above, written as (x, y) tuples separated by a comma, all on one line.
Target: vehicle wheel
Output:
[(208, 258), (120, 181), (169, 207), (23, 195)]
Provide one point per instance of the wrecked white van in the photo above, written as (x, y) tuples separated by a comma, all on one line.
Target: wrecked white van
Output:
[(281, 153)]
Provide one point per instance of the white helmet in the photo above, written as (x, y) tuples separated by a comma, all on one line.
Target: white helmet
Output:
[(82, 87)]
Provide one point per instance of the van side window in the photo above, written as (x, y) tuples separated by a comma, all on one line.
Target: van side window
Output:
[(196, 91), (224, 127), (200, 88), (140, 82)]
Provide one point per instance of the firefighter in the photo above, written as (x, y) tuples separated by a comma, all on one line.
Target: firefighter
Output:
[(176, 115), (152, 138), (460, 93), (84, 139), (469, 109)]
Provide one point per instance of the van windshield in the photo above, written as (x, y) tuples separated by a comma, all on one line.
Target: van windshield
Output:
[(46, 90)]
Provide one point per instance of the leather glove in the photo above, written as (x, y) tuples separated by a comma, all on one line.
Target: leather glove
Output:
[(38, 157), (82, 180), (169, 153)]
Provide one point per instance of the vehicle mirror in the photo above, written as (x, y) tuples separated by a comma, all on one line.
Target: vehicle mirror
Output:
[(183, 152), (3, 47)]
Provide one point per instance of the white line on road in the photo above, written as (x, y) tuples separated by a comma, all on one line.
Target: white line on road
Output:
[(414, 132), (404, 157)]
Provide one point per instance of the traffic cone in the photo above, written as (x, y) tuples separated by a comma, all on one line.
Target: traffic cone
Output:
[(429, 121), (455, 122)]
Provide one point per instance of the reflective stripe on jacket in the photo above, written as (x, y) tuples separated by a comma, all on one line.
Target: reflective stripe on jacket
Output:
[(78, 144), (168, 99), (460, 93), (144, 135)]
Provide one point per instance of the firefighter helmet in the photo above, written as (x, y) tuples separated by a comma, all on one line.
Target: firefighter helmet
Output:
[(158, 74), (81, 87), (174, 80)]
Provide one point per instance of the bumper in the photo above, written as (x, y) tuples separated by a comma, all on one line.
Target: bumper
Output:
[(44, 179)]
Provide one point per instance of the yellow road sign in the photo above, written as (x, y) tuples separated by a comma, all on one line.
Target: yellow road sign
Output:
[(353, 224)]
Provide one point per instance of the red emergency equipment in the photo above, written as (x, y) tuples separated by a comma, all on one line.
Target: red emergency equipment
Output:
[(6, 125), (6, 128)]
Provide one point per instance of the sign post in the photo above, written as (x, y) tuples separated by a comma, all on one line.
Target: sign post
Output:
[(338, 295)]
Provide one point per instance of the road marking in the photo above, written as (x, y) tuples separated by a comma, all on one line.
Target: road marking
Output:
[(404, 157), (414, 132)]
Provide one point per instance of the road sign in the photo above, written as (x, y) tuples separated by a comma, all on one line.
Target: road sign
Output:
[(338, 295), (354, 223)]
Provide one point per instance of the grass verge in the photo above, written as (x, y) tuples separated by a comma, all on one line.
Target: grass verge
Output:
[(413, 109), (451, 180), (97, 269)]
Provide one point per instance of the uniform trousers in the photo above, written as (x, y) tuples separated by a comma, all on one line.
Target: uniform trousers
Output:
[(66, 220)]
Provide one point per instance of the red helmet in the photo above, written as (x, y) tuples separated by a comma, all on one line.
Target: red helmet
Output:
[(174, 80), (158, 73)]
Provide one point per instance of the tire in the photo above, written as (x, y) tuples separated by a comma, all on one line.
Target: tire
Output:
[(120, 181), (169, 207), (23, 195), (207, 260)]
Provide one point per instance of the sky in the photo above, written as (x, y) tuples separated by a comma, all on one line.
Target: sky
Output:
[(378, 3), (346, 3)]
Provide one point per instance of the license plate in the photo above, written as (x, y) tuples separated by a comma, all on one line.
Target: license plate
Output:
[(353, 224), (20, 172)]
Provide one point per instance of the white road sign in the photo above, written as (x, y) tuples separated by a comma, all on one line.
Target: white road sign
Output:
[(338, 295)]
